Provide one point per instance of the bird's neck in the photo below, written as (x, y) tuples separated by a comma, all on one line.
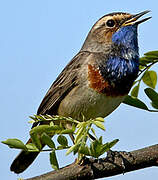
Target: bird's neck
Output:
[(96, 47)]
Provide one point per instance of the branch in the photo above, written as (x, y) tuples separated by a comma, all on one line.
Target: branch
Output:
[(99, 168)]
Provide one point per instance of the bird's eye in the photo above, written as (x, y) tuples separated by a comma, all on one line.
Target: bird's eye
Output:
[(110, 23)]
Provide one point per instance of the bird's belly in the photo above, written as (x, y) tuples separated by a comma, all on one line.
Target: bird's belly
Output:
[(88, 103)]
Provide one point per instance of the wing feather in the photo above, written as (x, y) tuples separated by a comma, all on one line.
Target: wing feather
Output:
[(66, 80)]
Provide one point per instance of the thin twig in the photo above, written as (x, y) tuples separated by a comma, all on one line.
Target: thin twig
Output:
[(99, 168), (147, 67)]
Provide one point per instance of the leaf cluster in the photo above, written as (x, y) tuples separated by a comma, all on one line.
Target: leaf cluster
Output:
[(149, 78), (55, 125)]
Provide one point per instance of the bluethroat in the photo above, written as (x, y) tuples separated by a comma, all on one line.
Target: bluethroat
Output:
[(97, 79)]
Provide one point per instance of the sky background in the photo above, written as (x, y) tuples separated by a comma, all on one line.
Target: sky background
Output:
[(37, 39)]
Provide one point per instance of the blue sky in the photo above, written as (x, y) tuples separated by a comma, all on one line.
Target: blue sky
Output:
[(37, 39)]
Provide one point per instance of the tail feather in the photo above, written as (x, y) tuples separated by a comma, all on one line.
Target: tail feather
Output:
[(23, 161)]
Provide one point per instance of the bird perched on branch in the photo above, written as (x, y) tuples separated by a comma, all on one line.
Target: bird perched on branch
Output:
[(98, 78)]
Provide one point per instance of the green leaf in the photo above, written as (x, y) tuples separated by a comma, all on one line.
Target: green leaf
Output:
[(51, 123), (62, 140), (80, 132), (107, 146), (144, 61), (135, 91), (84, 149), (141, 66), (31, 121), (104, 148), (53, 160), (46, 128), (36, 140), (112, 143), (67, 131), (95, 148), (100, 140), (152, 53), (60, 147), (132, 101), (150, 59), (93, 131), (47, 140), (99, 125), (73, 148), (32, 148), (81, 124), (150, 78), (34, 118), (153, 95), (15, 143), (99, 119), (154, 105)]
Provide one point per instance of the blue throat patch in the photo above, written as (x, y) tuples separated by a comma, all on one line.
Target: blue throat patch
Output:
[(127, 36), (122, 66)]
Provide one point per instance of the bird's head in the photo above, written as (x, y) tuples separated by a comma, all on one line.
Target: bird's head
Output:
[(119, 28)]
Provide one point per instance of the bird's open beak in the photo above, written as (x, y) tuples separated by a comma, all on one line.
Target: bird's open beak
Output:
[(133, 19)]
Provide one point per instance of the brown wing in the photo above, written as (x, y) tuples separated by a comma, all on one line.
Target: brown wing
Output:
[(59, 89), (62, 85)]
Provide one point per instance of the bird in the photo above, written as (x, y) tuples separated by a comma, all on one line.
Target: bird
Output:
[(97, 79)]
